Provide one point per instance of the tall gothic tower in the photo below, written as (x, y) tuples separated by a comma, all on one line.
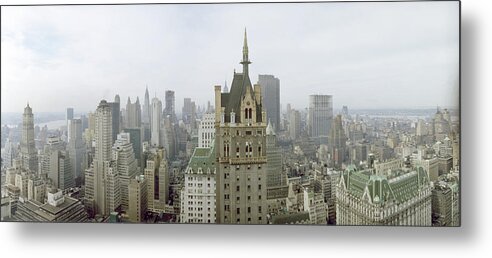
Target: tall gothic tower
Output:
[(29, 153), (240, 143)]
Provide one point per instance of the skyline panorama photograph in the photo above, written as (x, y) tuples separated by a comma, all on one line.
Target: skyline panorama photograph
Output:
[(342, 113)]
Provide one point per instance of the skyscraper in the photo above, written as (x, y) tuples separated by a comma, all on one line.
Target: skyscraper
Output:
[(155, 123), (68, 117), (126, 165), (270, 88), (206, 131), (146, 108), (133, 114), (240, 143), (116, 114), (76, 148), (96, 175), (157, 176), (276, 180), (28, 147), (337, 142), (320, 116), (294, 124), (137, 195), (146, 117), (170, 109)]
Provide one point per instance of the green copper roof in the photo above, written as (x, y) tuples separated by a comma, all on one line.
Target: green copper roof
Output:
[(380, 189), (203, 160)]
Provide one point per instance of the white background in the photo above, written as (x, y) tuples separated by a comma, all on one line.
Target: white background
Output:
[(473, 239)]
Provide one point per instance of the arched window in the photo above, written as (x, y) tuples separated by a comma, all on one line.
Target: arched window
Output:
[(250, 113), (246, 113)]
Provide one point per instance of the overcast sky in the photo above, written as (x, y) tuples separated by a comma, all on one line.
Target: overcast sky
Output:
[(367, 55)]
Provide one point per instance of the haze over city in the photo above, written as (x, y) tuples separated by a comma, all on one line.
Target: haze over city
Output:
[(367, 55)]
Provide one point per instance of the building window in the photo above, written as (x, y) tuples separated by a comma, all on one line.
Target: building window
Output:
[(249, 209), (238, 210), (237, 188), (259, 209)]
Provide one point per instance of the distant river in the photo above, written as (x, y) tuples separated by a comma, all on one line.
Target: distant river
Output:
[(53, 124)]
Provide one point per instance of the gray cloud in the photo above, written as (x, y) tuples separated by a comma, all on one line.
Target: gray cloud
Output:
[(368, 55)]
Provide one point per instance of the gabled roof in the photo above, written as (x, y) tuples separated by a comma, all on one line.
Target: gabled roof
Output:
[(380, 189)]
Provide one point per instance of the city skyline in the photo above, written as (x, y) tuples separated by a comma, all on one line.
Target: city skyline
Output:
[(355, 55), (233, 163)]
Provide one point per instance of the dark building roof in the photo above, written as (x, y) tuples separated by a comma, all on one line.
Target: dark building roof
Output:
[(240, 83)]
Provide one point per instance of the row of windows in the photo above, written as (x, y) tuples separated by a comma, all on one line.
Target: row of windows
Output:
[(227, 197)]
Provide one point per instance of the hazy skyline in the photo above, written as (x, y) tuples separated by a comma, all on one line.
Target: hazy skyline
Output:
[(367, 55)]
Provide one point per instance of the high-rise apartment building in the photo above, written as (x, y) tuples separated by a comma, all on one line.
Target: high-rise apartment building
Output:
[(28, 151), (240, 143), (198, 194), (320, 116), (270, 89)]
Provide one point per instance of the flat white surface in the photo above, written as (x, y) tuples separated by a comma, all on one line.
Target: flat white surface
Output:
[(473, 239)]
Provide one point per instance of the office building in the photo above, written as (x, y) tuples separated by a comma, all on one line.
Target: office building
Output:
[(96, 192), (133, 114), (115, 117), (337, 143), (276, 180), (76, 148), (170, 105), (155, 123), (137, 196), (125, 164), (270, 89), (58, 208), (157, 176), (28, 151), (320, 116), (294, 124)]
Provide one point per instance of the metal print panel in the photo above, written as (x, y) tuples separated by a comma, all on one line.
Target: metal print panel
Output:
[(342, 113)]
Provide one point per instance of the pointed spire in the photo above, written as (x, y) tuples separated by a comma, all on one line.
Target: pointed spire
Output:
[(245, 45), (146, 91), (27, 103), (129, 100), (245, 62), (138, 101)]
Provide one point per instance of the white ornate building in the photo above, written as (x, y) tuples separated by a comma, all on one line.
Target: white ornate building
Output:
[(198, 193), (401, 197)]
